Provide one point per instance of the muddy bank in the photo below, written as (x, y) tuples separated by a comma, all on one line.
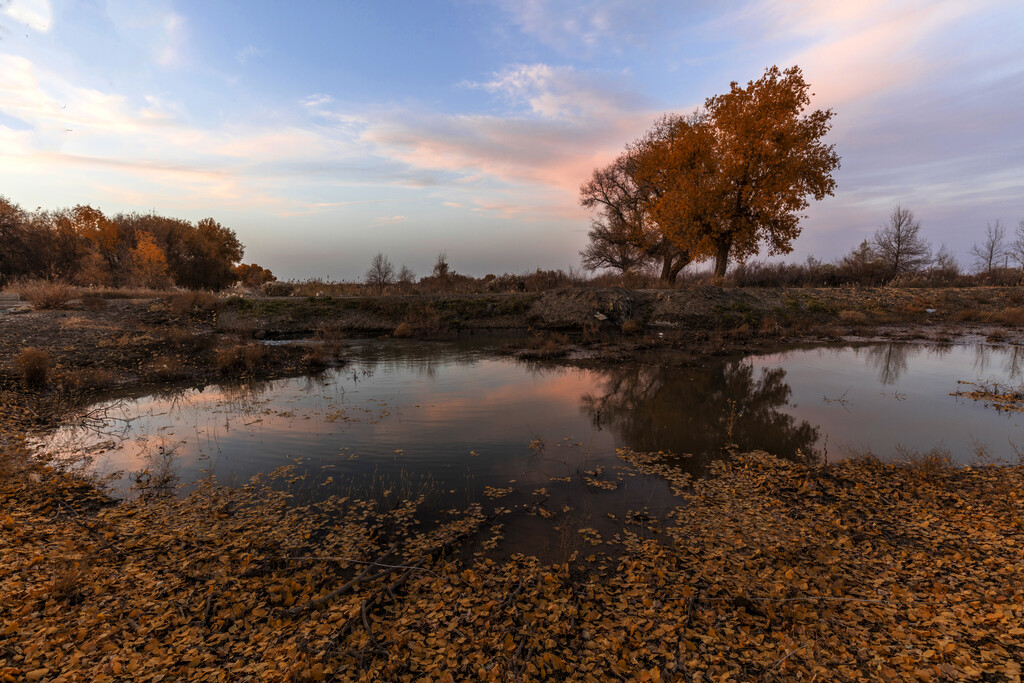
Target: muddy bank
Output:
[(610, 310)]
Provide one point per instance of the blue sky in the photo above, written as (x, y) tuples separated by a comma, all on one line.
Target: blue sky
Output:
[(325, 132)]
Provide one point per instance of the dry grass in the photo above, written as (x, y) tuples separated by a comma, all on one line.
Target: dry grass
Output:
[(45, 294), (1010, 316), (770, 326), (631, 327), (330, 332), (84, 380), (184, 338), (853, 317), (240, 359), (550, 345), (164, 369), (403, 331), (34, 367), (320, 356), (192, 303), (69, 578), (927, 464)]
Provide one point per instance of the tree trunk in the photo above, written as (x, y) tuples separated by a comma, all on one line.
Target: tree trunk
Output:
[(722, 250), (666, 269), (672, 265)]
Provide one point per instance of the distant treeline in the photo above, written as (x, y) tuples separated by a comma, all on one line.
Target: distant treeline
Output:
[(82, 246)]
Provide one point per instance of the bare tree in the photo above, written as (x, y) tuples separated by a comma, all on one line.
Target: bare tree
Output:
[(1016, 248), (992, 250), (623, 235), (945, 263), (406, 276), (441, 267), (381, 273), (900, 246), (611, 247)]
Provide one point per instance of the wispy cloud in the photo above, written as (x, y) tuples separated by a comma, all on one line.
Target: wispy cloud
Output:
[(609, 25), (563, 92), (389, 220), (171, 50), (247, 53), (36, 14)]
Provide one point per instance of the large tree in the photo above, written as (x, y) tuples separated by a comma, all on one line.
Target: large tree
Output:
[(737, 174)]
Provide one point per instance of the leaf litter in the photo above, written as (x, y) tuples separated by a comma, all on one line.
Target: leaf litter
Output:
[(767, 570)]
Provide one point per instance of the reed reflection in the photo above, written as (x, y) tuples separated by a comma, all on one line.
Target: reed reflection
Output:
[(700, 411)]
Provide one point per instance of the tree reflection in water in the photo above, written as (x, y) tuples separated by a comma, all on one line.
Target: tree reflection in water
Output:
[(691, 410)]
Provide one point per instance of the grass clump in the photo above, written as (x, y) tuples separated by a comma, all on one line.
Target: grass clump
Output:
[(86, 380), (164, 369), (240, 359), (193, 303), (1011, 316), (631, 326), (34, 367), (853, 317)]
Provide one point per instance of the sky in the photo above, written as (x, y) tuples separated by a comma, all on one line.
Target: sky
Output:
[(326, 132)]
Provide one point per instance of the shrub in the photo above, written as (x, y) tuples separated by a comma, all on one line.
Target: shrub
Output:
[(34, 367), (192, 302), (47, 293), (277, 288)]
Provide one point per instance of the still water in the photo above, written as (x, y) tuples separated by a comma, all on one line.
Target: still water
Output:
[(471, 425)]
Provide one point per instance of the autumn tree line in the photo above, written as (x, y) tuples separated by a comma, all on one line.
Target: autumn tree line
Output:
[(82, 246)]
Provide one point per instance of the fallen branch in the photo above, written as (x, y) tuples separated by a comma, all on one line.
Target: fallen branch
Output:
[(316, 558), (74, 517), (362, 577)]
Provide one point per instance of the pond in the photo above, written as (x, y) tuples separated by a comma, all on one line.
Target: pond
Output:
[(466, 424)]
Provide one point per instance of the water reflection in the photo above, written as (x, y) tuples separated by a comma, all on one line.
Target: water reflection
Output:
[(699, 411), (458, 412), (891, 360)]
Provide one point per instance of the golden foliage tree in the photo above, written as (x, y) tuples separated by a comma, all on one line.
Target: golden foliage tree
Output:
[(770, 159), (735, 176), (149, 264)]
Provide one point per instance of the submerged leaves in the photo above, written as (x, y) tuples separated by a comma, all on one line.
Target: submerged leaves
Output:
[(767, 570)]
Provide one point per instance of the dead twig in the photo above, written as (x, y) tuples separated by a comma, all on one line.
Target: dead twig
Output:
[(316, 558), (74, 517), (362, 577)]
